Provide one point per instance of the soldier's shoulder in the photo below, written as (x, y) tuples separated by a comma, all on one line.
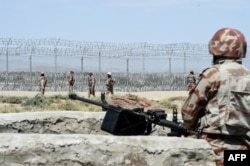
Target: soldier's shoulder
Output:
[(210, 69), (210, 72)]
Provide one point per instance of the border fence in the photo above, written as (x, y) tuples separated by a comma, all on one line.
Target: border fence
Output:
[(135, 66)]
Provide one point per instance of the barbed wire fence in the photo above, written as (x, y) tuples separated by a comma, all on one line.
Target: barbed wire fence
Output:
[(135, 66)]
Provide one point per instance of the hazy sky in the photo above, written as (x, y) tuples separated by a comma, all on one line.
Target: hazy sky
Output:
[(152, 21)]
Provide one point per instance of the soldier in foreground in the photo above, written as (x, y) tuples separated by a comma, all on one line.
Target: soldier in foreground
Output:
[(91, 83), (71, 81), (42, 83), (218, 107), (110, 82)]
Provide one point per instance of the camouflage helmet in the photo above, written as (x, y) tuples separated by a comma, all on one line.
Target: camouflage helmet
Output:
[(228, 42)]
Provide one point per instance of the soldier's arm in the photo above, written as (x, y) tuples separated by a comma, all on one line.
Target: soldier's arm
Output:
[(199, 97)]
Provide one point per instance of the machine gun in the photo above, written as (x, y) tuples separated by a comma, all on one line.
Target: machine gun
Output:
[(121, 121)]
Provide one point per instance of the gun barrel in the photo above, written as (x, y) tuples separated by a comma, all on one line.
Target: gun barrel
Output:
[(75, 97), (175, 126)]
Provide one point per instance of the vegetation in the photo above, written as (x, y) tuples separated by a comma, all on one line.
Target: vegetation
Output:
[(42, 103), (63, 103)]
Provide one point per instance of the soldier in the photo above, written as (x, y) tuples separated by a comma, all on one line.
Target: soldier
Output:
[(42, 83), (191, 80), (91, 83), (110, 82), (218, 107), (71, 81)]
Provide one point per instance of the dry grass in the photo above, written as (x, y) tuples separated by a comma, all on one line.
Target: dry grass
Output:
[(56, 101)]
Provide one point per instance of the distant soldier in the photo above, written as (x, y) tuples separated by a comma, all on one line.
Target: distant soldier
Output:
[(110, 82), (71, 81), (191, 80), (91, 83), (42, 83)]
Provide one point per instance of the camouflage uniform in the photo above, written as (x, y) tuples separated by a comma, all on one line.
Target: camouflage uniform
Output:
[(191, 80), (110, 82), (42, 83), (91, 83), (71, 81), (219, 107)]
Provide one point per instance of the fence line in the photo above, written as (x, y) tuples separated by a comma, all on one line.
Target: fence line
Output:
[(136, 66), (22, 81)]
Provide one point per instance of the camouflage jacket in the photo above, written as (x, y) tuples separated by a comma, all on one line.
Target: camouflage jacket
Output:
[(220, 103), (91, 81), (191, 78), (42, 82), (110, 82), (71, 80)]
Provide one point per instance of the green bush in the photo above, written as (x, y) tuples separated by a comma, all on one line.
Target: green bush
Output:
[(38, 100)]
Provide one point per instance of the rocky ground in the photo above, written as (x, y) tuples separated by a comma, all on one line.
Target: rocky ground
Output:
[(78, 138), (74, 138)]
